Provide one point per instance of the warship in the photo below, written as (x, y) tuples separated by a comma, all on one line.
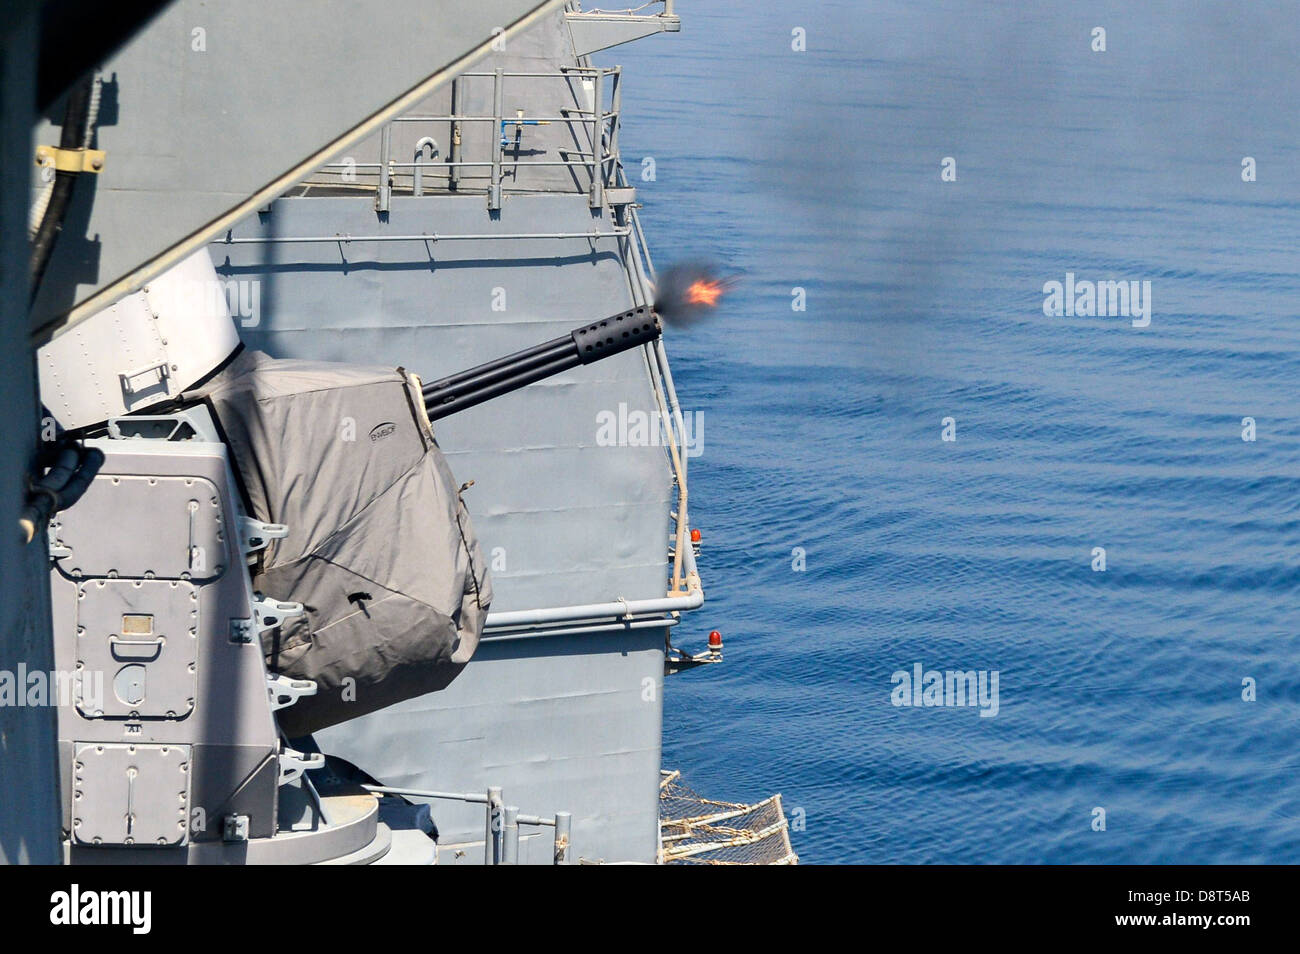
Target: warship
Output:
[(354, 517)]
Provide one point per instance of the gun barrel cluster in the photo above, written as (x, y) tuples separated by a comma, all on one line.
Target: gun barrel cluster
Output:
[(585, 345)]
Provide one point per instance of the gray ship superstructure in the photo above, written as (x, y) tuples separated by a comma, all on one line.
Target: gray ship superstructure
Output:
[(376, 535), (442, 242)]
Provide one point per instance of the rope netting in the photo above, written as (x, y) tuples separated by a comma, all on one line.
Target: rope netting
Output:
[(696, 830)]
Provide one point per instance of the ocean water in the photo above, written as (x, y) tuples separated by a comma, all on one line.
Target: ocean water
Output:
[(1121, 690)]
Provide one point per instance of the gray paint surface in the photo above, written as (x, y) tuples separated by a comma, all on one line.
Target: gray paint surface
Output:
[(566, 520), (198, 687), (563, 722), (214, 102)]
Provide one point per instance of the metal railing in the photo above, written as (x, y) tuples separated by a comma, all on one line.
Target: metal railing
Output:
[(501, 823), (599, 124), (603, 164), (346, 238)]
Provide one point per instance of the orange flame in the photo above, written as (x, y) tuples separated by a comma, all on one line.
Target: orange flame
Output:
[(704, 292)]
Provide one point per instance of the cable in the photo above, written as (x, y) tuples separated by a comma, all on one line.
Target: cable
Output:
[(78, 128)]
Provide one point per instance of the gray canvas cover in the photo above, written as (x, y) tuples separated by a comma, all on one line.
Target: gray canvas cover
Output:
[(380, 550)]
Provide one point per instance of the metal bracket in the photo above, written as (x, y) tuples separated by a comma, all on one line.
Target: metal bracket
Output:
[(254, 535), (678, 660), (161, 370), (621, 195), (70, 160), (285, 690), (293, 764), (184, 425), (58, 549), (271, 613)]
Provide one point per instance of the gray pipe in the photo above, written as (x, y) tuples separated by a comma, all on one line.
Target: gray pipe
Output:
[(417, 184), (510, 847), (617, 609)]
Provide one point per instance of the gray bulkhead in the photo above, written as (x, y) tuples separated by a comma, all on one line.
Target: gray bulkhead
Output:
[(568, 718)]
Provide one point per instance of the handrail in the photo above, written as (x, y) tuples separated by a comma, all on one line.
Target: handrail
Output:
[(661, 382), (603, 129), (685, 591), (501, 832), (346, 239)]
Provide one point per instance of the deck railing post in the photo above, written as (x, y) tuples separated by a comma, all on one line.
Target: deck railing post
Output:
[(498, 107), (616, 110), (597, 142), (495, 825), (385, 171), (563, 823), (454, 148)]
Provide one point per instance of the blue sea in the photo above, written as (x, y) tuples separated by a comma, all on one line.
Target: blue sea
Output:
[(1126, 690)]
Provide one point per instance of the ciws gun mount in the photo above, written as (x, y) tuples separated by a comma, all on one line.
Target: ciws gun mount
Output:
[(585, 345), (183, 448)]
